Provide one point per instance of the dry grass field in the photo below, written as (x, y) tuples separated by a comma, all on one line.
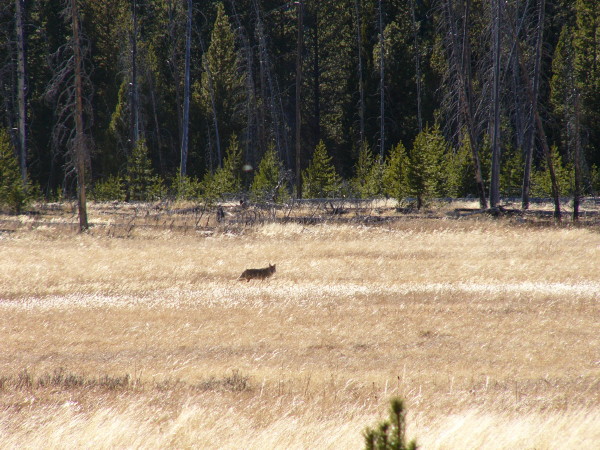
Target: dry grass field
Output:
[(489, 329)]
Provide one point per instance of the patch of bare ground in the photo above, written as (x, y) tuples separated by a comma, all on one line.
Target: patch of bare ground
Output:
[(488, 328)]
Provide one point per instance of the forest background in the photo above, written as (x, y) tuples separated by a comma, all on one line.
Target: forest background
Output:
[(145, 98)]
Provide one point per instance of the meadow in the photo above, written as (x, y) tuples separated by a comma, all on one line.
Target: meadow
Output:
[(142, 337)]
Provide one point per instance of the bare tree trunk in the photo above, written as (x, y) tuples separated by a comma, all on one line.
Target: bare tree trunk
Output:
[(417, 64), (495, 176), (135, 108), (317, 85), (271, 93), (540, 129), (361, 83), (174, 57), (21, 87), (577, 158), (381, 85), (211, 91), (80, 142), (300, 13), (462, 62), (250, 91), (161, 162), (536, 87), (186, 94)]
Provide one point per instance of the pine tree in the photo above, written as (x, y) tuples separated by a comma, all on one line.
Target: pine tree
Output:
[(541, 182), (390, 434), (13, 193), (426, 177), (511, 175), (270, 181), (142, 183), (587, 68), (319, 179), (459, 170), (222, 86), (226, 179), (395, 176), (368, 177)]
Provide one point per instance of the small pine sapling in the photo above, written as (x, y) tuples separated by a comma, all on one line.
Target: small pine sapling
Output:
[(390, 434)]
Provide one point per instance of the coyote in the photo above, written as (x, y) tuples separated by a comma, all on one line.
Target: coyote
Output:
[(261, 274)]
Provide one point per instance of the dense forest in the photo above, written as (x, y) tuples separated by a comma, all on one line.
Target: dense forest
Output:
[(482, 98)]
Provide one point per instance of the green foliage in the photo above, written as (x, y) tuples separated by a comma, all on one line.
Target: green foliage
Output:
[(141, 182), (368, 178), (226, 179), (594, 187), (113, 188), (390, 434), (459, 170), (426, 176), (13, 193), (395, 175), (220, 91), (270, 181), (541, 184), (319, 179), (186, 187), (511, 173)]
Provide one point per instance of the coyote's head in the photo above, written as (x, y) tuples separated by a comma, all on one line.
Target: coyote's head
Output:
[(272, 268)]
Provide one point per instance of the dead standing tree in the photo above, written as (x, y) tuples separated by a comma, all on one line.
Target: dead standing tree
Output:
[(530, 88), (21, 86), (459, 74), (72, 107)]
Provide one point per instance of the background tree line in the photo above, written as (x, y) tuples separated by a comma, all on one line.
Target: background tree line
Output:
[(419, 97)]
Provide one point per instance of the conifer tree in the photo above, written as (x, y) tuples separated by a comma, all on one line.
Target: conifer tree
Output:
[(226, 179), (541, 182), (368, 177), (426, 177), (270, 181), (395, 176), (390, 434), (319, 179), (587, 68), (142, 183), (222, 86), (459, 170), (13, 193)]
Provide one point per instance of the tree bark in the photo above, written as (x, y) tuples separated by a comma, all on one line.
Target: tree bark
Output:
[(462, 62), (577, 158), (135, 107), (21, 87), (417, 64), (381, 85), (540, 129), (536, 87), (186, 94), (79, 146), (361, 84), (300, 13), (495, 178)]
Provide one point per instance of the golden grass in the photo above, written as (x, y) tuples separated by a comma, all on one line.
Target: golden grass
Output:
[(489, 330)]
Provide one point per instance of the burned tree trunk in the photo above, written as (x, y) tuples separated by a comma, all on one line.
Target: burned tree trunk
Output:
[(79, 146), (186, 94), (300, 13), (361, 83), (535, 87), (495, 178), (381, 85), (21, 87), (460, 61)]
